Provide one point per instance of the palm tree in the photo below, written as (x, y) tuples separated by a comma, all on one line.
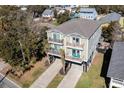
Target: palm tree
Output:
[(62, 53)]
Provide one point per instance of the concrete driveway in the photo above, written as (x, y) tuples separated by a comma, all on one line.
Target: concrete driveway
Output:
[(71, 77)]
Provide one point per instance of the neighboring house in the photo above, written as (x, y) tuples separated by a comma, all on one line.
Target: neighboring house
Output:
[(88, 13), (121, 21), (111, 17), (116, 66), (63, 8), (24, 8), (78, 38), (67, 7), (86, 6), (48, 14), (61, 11), (70, 8)]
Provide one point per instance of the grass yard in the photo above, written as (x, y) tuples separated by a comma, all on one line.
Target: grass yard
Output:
[(55, 82), (30, 76), (92, 78), (55, 23)]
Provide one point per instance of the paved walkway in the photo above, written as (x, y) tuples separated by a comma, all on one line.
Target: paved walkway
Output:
[(72, 77), (48, 75)]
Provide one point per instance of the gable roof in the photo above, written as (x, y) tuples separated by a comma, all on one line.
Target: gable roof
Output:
[(47, 12), (116, 66), (80, 26), (88, 10)]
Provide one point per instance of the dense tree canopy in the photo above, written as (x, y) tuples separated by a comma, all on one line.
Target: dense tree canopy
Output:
[(37, 10), (104, 9), (63, 17), (18, 43), (108, 32)]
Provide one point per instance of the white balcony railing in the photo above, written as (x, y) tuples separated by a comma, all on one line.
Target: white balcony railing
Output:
[(55, 40), (67, 57), (74, 45), (54, 52)]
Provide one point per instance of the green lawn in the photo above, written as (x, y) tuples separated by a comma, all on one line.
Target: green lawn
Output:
[(55, 23), (55, 82), (92, 78)]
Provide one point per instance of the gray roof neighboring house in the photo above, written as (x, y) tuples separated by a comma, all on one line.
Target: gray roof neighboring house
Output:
[(89, 10), (116, 66), (110, 17), (47, 12), (80, 26)]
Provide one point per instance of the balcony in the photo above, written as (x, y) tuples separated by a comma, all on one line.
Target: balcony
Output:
[(58, 41), (74, 45), (77, 60), (67, 57), (54, 52)]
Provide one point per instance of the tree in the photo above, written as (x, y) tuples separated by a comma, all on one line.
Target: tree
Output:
[(55, 13), (18, 43), (62, 53), (37, 10), (104, 9), (63, 17), (107, 32)]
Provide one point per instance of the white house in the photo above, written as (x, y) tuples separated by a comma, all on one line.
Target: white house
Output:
[(61, 11), (78, 38), (67, 7), (116, 66), (48, 13), (88, 13)]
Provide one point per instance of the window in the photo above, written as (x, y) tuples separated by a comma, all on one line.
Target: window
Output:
[(73, 38), (76, 40), (73, 51), (56, 36)]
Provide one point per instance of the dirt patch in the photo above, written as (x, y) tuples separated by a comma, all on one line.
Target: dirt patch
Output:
[(96, 58)]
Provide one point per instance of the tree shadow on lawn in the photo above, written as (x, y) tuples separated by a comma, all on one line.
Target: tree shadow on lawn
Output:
[(105, 66)]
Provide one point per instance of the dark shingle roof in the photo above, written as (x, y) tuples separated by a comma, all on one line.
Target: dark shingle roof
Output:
[(83, 27), (116, 66)]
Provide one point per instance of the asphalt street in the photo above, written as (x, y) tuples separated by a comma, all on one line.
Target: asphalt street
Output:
[(6, 83)]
